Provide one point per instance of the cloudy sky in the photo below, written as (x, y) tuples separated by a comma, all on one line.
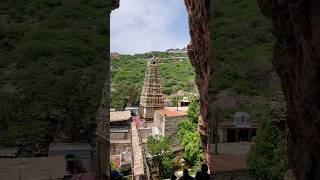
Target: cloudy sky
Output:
[(148, 25)]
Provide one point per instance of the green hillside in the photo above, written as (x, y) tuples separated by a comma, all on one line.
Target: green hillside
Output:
[(242, 51), (52, 70), (128, 71), (243, 44)]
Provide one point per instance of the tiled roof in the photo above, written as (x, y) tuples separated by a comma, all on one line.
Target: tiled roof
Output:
[(171, 112), (119, 116), (183, 108)]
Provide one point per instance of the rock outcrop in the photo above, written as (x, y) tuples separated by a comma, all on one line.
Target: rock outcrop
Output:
[(199, 54), (296, 25)]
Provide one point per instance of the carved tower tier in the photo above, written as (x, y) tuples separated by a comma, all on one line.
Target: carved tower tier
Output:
[(151, 97)]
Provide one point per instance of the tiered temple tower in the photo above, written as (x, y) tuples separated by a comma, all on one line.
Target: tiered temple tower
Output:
[(151, 97)]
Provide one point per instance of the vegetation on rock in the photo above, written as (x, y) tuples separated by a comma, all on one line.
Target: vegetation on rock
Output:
[(243, 48), (52, 70)]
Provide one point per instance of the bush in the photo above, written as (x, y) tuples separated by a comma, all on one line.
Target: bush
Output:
[(189, 138), (267, 156), (159, 147), (194, 111)]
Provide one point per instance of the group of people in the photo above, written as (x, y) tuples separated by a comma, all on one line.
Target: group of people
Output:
[(201, 175)]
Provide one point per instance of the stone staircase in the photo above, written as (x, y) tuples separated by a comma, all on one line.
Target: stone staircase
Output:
[(139, 165)]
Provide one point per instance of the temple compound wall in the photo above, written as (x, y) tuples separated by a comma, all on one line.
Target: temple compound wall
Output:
[(167, 122)]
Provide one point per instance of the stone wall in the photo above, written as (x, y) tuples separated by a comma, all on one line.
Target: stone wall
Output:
[(144, 133), (118, 148), (83, 152), (171, 126), (119, 136), (171, 129)]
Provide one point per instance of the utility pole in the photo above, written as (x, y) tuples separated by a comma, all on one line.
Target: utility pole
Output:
[(177, 102)]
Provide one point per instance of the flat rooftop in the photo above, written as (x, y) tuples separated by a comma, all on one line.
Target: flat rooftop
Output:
[(122, 141), (119, 116)]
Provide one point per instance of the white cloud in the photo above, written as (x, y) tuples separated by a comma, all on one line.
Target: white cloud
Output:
[(147, 25)]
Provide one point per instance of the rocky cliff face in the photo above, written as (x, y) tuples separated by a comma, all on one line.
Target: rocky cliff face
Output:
[(199, 53), (296, 25)]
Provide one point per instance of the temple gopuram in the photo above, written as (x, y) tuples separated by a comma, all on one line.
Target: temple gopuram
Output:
[(151, 97)]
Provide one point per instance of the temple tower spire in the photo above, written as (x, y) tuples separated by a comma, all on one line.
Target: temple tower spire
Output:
[(151, 97)]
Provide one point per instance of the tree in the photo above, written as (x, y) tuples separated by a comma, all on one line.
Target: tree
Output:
[(159, 147), (194, 111), (188, 135), (189, 138), (267, 156), (185, 127), (192, 147)]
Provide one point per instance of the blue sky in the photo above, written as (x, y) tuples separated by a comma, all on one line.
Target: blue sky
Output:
[(140, 26)]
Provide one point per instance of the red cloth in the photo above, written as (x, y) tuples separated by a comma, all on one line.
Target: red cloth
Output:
[(137, 121)]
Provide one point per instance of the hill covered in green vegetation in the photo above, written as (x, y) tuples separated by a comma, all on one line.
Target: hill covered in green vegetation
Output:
[(242, 53), (244, 78), (243, 46), (128, 71), (53, 64)]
